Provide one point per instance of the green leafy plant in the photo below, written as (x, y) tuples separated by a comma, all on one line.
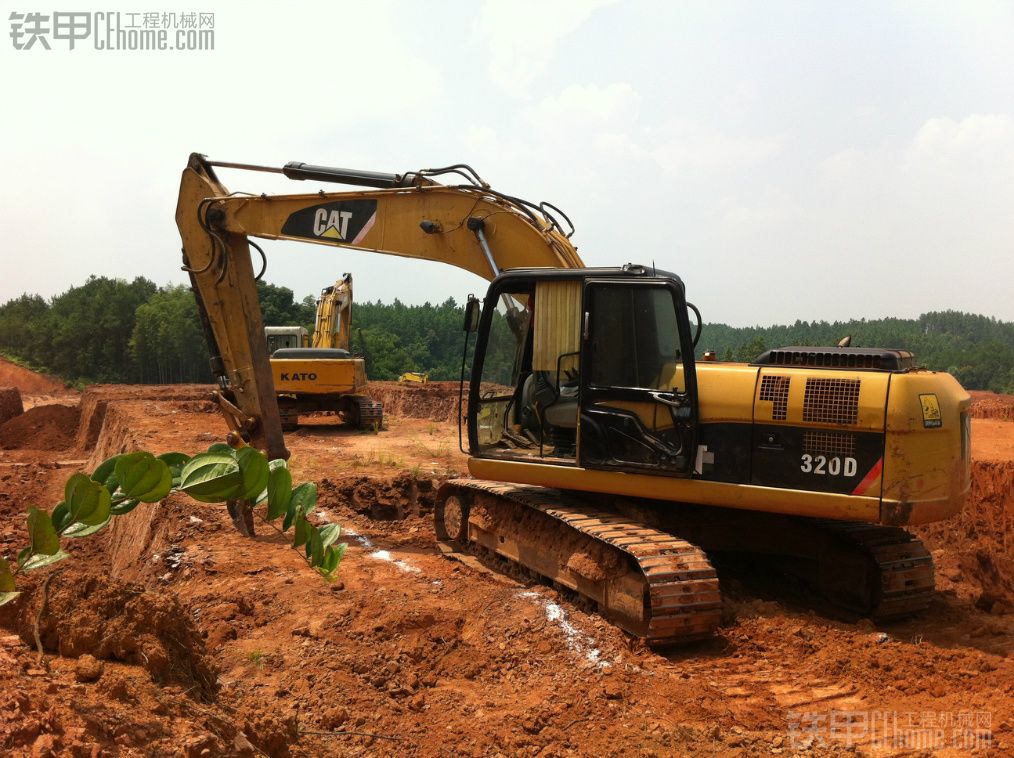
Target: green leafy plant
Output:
[(221, 474)]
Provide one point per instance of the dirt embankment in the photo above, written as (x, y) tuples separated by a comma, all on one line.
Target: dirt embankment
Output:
[(169, 634), (436, 401), (44, 427), (974, 551), (993, 406), (28, 381)]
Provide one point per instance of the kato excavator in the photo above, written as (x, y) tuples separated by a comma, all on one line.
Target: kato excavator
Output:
[(603, 457), (325, 376)]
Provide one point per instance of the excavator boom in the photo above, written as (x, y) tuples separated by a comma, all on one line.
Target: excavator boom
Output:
[(333, 323), (468, 225)]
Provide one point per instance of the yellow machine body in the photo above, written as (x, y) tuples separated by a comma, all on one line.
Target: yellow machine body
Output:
[(414, 377), (584, 384), (911, 426), (917, 472), (318, 376)]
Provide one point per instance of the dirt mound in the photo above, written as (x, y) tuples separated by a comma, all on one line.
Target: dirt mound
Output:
[(992, 405), (91, 614), (10, 403), (437, 401), (977, 546), (45, 427), (26, 380), (381, 498)]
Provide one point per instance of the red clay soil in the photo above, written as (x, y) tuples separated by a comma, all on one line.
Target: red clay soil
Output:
[(413, 654), (45, 427), (28, 381), (991, 405), (974, 551), (437, 401), (10, 403)]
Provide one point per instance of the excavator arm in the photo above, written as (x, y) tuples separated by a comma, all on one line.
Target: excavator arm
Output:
[(333, 323), (468, 225)]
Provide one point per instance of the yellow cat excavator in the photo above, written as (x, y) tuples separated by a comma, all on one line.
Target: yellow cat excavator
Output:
[(604, 457), (325, 376)]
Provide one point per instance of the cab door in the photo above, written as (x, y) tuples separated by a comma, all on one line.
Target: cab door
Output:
[(638, 382)]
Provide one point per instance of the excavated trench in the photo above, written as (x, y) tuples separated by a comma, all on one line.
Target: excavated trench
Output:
[(114, 602)]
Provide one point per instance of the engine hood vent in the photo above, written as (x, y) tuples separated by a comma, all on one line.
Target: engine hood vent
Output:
[(859, 358)]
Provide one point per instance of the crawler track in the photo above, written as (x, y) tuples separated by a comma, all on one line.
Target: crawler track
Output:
[(654, 585), (366, 413), (902, 583)]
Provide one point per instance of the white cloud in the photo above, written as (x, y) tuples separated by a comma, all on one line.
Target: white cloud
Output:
[(683, 145), (523, 35), (608, 107), (978, 138)]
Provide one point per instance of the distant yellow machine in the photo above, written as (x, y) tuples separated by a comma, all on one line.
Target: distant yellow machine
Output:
[(324, 376), (414, 377)]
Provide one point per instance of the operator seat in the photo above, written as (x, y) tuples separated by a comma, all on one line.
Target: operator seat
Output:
[(556, 408)]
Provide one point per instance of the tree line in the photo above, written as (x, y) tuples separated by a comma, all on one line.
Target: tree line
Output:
[(113, 330)]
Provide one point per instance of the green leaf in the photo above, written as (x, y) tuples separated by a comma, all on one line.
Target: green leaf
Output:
[(6, 597), (332, 558), (124, 507), (220, 447), (6, 576), (314, 547), (279, 492), (304, 497), (105, 474), (45, 540), (143, 476), (175, 462), (83, 530), (83, 497), (39, 561), (212, 477), (329, 534), (253, 467), (300, 503), (303, 529), (61, 516), (97, 519)]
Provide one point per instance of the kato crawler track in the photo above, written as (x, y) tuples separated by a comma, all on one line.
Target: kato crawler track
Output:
[(366, 413), (654, 585)]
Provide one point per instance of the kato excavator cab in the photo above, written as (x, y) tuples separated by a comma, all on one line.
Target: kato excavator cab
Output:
[(588, 367)]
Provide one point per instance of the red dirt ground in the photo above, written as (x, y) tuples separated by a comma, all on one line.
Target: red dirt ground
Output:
[(29, 382), (245, 651), (44, 427)]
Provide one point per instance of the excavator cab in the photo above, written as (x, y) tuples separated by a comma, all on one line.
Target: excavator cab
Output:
[(589, 367)]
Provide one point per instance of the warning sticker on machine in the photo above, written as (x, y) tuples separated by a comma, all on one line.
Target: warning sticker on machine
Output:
[(930, 411)]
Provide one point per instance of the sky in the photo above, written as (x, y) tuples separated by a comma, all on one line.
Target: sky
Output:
[(787, 160)]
